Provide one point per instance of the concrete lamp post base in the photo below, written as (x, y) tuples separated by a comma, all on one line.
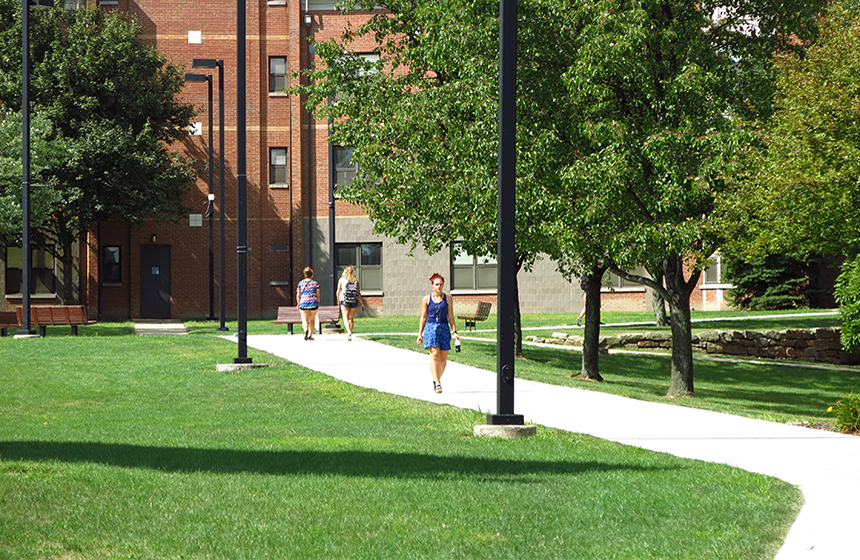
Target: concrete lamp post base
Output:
[(239, 367), (506, 431)]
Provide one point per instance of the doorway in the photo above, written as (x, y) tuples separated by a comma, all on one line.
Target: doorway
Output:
[(155, 281)]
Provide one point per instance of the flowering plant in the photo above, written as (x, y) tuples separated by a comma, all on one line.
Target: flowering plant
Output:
[(847, 412)]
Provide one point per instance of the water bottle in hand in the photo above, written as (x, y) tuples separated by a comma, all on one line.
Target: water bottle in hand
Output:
[(457, 344)]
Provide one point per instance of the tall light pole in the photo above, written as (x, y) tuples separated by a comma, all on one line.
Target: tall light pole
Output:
[(507, 216), (241, 190), (211, 197), (26, 251), (222, 273)]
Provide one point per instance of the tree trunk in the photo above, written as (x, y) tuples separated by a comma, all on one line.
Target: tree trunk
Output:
[(67, 260), (591, 344), (659, 305), (518, 325), (681, 381)]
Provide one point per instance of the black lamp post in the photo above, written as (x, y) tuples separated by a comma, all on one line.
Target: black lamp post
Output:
[(26, 251), (211, 197), (507, 215), (222, 274), (241, 190)]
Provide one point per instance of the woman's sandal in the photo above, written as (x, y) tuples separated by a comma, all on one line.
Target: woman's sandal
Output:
[(438, 387), (434, 385)]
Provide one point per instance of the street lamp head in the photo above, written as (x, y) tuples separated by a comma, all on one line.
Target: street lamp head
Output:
[(197, 77), (204, 63), (309, 20)]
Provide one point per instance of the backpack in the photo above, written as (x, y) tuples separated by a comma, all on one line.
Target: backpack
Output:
[(350, 293)]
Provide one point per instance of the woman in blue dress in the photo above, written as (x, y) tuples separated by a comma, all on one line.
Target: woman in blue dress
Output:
[(437, 313)]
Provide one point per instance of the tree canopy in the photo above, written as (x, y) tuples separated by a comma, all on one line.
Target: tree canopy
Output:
[(629, 127), (109, 103), (803, 193)]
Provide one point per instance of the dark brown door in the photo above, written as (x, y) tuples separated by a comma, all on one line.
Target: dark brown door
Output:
[(155, 281)]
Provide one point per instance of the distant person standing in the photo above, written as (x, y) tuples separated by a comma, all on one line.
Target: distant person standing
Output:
[(349, 296), (437, 313), (308, 296), (583, 285)]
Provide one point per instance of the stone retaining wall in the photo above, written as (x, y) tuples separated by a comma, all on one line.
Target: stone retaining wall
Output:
[(805, 345)]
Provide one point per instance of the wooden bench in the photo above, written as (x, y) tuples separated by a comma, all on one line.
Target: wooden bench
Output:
[(292, 316), (43, 316), (8, 320), (481, 314)]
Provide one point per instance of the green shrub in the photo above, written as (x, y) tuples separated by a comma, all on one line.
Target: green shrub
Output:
[(847, 412), (774, 282), (848, 297)]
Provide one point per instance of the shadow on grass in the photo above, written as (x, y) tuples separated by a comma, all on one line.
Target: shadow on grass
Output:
[(345, 463)]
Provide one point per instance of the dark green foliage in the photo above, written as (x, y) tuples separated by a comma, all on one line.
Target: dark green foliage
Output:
[(774, 282), (109, 103), (848, 297)]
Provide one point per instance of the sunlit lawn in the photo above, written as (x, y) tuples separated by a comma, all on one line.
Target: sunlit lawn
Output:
[(116, 446)]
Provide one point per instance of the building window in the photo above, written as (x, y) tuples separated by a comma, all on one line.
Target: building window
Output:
[(367, 260), (713, 275), (618, 283), (470, 272), (75, 4), (111, 265), (42, 277), (277, 74), (345, 166), (279, 165)]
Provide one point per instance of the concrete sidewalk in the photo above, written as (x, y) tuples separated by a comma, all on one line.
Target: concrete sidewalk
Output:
[(825, 465), (149, 327)]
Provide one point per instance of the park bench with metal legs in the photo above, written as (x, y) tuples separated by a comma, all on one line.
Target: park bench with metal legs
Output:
[(43, 316), (292, 316), (481, 314)]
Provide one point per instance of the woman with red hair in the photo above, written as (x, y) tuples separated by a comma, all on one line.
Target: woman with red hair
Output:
[(437, 313)]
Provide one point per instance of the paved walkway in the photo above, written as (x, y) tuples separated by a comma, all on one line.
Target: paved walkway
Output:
[(825, 465), (158, 327)]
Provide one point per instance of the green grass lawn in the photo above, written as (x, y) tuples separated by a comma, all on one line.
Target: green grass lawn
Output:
[(115, 446)]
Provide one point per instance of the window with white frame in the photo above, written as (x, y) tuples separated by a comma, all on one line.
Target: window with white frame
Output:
[(367, 260), (279, 167), (277, 74), (471, 272), (42, 277), (712, 276), (614, 282)]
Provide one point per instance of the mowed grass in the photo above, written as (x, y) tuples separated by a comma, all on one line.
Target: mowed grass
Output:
[(115, 446), (775, 390)]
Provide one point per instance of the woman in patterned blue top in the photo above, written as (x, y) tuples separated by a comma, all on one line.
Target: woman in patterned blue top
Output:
[(437, 312), (308, 297)]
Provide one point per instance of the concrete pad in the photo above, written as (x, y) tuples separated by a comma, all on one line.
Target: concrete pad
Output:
[(149, 327), (238, 367), (505, 431)]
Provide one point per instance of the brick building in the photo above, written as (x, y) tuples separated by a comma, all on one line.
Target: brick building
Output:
[(160, 270)]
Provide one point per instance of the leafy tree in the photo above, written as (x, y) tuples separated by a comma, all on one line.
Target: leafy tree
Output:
[(656, 95), (423, 123), (628, 127), (805, 195), (109, 102)]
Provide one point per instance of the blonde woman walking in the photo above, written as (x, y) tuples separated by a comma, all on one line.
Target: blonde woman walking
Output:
[(349, 296)]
